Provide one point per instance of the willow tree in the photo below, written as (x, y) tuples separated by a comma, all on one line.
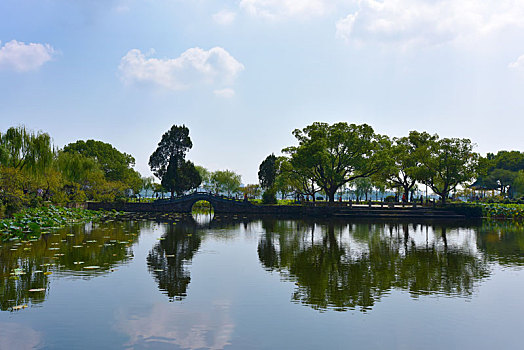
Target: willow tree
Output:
[(333, 155), (226, 181), (22, 149)]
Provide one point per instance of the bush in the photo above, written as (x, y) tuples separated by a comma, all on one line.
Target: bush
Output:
[(468, 210), (269, 197), (389, 199)]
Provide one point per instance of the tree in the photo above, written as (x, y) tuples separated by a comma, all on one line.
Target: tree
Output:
[(406, 156), (168, 161), (518, 184), (363, 186), (205, 175), (499, 171), (336, 154), (181, 177), (77, 167), (284, 180), (112, 162), (447, 164), (147, 184), (24, 150), (115, 165), (267, 172), (251, 190), (226, 181)]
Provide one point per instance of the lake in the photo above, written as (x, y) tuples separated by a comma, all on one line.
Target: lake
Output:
[(233, 282)]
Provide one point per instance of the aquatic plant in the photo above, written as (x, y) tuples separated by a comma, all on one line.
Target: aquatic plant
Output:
[(32, 222)]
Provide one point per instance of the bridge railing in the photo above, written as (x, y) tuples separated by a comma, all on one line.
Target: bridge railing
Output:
[(196, 193), (374, 204)]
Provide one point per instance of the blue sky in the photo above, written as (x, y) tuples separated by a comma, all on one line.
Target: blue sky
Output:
[(243, 74)]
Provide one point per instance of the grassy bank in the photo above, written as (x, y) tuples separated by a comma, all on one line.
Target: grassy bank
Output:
[(33, 222)]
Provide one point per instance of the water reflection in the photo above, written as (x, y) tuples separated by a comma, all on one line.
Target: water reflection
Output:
[(18, 336), (80, 251), (335, 265), (208, 326), (351, 266), (167, 260), (503, 242)]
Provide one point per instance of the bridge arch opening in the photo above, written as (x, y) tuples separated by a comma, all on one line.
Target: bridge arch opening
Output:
[(202, 212), (202, 207)]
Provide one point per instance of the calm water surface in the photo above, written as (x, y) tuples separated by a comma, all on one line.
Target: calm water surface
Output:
[(237, 283)]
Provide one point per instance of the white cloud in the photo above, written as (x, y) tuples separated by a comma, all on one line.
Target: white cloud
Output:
[(429, 21), (225, 93), (275, 9), (194, 67), (23, 57), (224, 17), (518, 64)]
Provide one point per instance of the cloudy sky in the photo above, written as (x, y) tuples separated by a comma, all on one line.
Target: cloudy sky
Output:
[(242, 74)]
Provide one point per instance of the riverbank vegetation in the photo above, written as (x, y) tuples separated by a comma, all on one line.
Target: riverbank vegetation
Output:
[(33, 222), (329, 162), (34, 171)]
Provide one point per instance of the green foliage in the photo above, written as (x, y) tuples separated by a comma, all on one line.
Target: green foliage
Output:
[(112, 162), (172, 148), (12, 197), (269, 197), (518, 184), (466, 209), (363, 186), (147, 184), (389, 199), (503, 211), (501, 171), (267, 171), (115, 165), (32, 172), (205, 175), (332, 155), (226, 181), (168, 161), (24, 150), (251, 191), (406, 157), (447, 163), (34, 221), (181, 177), (284, 182)]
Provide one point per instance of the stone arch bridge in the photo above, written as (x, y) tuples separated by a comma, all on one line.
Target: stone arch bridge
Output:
[(183, 204), (220, 204)]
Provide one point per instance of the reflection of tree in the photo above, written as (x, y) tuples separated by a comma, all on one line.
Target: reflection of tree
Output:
[(330, 273), (66, 251), (502, 241), (167, 259)]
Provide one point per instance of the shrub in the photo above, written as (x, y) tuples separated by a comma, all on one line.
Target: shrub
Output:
[(389, 199), (269, 197), (468, 210)]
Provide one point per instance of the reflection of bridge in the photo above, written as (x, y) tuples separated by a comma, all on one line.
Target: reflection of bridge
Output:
[(184, 204)]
